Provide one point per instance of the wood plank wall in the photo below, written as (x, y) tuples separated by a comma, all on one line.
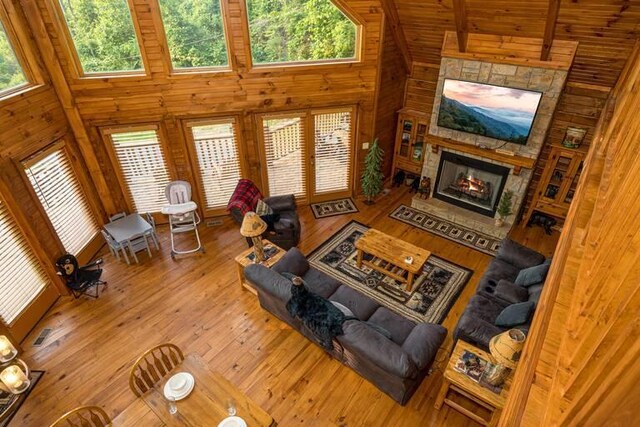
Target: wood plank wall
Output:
[(393, 76), (165, 99), (583, 351), (29, 122)]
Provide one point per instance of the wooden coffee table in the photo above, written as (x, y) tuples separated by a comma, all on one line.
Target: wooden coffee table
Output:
[(389, 255)]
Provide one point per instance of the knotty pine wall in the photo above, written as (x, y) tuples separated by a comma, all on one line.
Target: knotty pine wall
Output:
[(167, 99), (29, 122), (393, 76)]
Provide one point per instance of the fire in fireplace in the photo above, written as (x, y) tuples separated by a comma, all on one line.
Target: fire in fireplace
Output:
[(470, 183)]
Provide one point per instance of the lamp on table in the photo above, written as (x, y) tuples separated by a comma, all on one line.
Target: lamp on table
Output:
[(253, 226), (505, 349)]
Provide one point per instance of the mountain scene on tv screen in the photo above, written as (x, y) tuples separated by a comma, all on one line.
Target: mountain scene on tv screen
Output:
[(495, 112)]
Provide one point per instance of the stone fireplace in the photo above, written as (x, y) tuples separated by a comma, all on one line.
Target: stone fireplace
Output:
[(469, 173)]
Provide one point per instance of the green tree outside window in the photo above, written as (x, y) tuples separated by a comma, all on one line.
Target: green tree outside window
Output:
[(195, 33), (103, 34), (299, 30), (11, 74)]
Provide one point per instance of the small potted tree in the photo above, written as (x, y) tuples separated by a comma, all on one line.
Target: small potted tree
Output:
[(504, 207), (372, 177)]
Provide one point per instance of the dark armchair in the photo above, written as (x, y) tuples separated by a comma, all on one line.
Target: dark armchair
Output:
[(285, 232)]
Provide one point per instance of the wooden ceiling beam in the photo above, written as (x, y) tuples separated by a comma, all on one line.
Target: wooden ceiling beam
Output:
[(392, 18), (462, 28), (549, 29)]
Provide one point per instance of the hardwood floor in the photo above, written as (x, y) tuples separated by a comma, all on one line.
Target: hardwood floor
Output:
[(197, 303)]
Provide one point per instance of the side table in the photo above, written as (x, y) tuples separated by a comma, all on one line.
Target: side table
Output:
[(460, 383), (246, 258)]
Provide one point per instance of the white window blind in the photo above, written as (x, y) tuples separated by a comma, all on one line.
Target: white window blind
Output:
[(284, 152), (59, 192), (22, 278), (143, 168), (332, 133), (218, 161)]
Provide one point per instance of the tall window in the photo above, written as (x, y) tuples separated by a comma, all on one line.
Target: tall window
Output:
[(61, 196), (21, 276), (284, 155), (299, 30), (332, 134), (195, 33), (11, 74), (218, 161), (143, 168), (103, 34)]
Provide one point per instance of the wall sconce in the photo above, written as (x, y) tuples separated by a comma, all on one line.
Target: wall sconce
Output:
[(14, 373)]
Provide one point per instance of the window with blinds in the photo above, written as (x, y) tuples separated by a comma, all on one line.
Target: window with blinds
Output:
[(143, 168), (216, 150), (61, 196), (332, 138), (22, 278), (284, 155)]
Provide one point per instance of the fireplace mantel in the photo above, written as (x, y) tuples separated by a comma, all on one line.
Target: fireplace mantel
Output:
[(518, 162)]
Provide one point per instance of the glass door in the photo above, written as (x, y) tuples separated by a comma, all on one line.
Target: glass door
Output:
[(555, 183), (332, 158)]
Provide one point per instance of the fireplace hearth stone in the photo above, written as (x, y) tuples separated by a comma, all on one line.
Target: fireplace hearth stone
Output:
[(462, 216)]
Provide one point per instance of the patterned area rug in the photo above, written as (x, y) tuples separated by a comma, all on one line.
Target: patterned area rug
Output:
[(435, 290), (443, 228), (10, 403), (333, 208)]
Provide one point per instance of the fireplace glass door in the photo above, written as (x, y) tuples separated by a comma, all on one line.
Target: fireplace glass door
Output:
[(470, 183)]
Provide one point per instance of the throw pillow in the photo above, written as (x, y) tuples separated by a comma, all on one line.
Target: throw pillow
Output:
[(515, 314), (343, 308), (511, 292), (532, 275), (263, 209)]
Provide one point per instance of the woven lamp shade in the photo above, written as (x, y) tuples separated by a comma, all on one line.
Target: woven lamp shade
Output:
[(506, 348), (252, 225)]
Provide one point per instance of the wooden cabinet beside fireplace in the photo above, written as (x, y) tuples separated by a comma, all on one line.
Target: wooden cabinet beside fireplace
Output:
[(411, 139), (558, 183)]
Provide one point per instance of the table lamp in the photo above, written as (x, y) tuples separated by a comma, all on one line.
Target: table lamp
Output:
[(505, 349), (14, 373), (253, 226)]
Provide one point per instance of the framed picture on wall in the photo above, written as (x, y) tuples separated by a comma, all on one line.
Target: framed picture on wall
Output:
[(573, 137)]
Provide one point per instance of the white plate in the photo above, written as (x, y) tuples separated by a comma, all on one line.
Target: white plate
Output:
[(178, 395), (232, 422)]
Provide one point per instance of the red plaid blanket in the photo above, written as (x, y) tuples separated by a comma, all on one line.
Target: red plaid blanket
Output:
[(244, 197)]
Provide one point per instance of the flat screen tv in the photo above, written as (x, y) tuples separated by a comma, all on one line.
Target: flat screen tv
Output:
[(493, 111)]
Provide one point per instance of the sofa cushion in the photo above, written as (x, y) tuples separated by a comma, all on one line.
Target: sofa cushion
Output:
[(485, 308), (511, 292), (515, 314), (532, 275), (320, 283), (398, 326), (362, 306), (292, 262), (517, 255), (497, 270), (534, 292)]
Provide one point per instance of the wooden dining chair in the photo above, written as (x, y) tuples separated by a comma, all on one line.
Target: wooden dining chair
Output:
[(152, 366), (84, 416)]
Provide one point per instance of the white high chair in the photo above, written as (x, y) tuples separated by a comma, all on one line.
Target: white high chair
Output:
[(183, 217)]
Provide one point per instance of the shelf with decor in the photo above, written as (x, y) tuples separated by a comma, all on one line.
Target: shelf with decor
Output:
[(410, 143), (554, 193)]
